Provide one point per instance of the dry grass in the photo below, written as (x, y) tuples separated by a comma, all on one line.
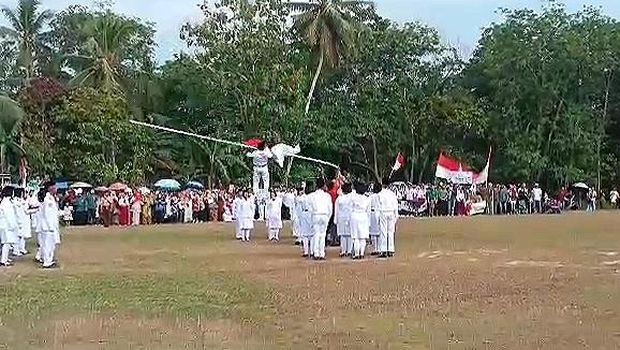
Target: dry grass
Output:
[(474, 283)]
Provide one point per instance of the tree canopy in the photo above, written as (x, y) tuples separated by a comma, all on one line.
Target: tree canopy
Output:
[(541, 88)]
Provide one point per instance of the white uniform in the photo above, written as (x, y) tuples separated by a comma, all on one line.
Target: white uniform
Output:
[(246, 217), (261, 168), (360, 223), (9, 228), (321, 209), (23, 222), (236, 214), (289, 201), (302, 207), (49, 229), (274, 218), (388, 214), (374, 222), (342, 220)]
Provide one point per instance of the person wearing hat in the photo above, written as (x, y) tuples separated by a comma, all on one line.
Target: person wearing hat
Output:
[(8, 225), (48, 225)]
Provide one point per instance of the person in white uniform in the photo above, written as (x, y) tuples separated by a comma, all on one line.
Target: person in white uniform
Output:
[(360, 220), (388, 215), (374, 218), (302, 206), (246, 216), (342, 220), (49, 227), (22, 212), (260, 173), (296, 210), (236, 212), (8, 226), (321, 209), (274, 216)]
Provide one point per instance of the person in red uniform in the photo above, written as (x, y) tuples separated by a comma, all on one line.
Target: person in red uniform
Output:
[(334, 190)]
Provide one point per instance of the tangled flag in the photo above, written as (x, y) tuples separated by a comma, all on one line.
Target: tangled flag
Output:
[(281, 150), (460, 173)]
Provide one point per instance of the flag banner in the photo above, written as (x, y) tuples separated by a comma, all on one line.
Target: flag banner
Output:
[(399, 163), (458, 172), (281, 151)]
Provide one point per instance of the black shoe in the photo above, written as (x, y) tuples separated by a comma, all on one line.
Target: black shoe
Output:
[(38, 261), (355, 258), (383, 256), (391, 255), (52, 266), (322, 259), (305, 256), (8, 264), (342, 255), (374, 253), (297, 243)]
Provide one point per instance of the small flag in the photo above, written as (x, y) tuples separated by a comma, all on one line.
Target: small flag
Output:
[(400, 162), (253, 143)]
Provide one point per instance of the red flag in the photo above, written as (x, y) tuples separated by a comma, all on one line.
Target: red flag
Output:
[(458, 172), (400, 162), (253, 142)]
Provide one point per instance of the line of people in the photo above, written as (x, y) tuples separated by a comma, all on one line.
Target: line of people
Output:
[(20, 215)]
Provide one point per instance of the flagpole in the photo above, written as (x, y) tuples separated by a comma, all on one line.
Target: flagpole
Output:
[(231, 143)]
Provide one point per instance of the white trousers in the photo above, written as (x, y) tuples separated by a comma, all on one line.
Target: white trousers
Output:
[(238, 234), (135, 217), (274, 233), (319, 228), (375, 243), (387, 226), (359, 247), (305, 242), (20, 248), (6, 249), (245, 234), (38, 256), (260, 173), (48, 248), (346, 245)]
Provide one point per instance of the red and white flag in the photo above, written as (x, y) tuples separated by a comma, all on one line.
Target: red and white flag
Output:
[(399, 163), (460, 173)]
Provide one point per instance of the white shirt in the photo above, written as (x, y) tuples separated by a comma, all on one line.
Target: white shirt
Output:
[(537, 194), (360, 204), (49, 214), (320, 203), (289, 200), (342, 209), (261, 158), (247, 209), (388, 202), (236, 209), (613, 196)]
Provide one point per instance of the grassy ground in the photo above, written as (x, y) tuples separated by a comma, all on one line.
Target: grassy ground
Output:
[(476, 283)]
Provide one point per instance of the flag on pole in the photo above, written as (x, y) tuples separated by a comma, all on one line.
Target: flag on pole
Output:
[(458, 172), (399, 163), (281, 150)]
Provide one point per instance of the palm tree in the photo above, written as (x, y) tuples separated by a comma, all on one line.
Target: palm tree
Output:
[(328, 28), (100, 61), (11, 115), (26, 25)]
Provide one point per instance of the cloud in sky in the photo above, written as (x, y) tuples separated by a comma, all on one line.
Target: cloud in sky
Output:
[(459, 21)]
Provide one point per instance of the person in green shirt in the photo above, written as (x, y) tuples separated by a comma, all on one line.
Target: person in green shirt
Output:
[(80, 209), (91, 208)]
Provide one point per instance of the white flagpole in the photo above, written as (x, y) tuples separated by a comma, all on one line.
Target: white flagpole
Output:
[(175, 131), (158, 127)]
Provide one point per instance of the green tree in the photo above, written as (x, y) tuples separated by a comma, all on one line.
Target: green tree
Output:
[(11, 115), (329, 29), (26, 31)]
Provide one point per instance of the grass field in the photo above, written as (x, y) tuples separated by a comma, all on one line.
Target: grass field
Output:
[(548, 282)]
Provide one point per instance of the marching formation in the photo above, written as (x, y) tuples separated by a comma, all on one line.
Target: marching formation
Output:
[(21, 214), (355, 215)]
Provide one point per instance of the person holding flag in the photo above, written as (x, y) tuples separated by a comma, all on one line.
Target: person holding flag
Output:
[(261, 157)]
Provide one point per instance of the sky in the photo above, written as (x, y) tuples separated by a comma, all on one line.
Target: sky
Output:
[(459, 21)]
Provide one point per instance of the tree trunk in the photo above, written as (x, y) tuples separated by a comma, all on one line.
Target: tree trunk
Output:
[(374, 159), (601, 133), (3, 158), (314, 80)]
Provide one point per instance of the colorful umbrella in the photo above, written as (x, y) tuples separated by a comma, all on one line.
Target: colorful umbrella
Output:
[(81, 185), (101, 189), (195, 185), (118, 187), (168, 184)]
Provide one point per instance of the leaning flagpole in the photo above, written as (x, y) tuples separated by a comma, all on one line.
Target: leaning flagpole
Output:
[(231, 143)]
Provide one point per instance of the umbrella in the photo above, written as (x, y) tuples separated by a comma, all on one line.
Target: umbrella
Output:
[(101, 189), (81, 185), (581, 185), (168, 184), (118, 187), (195, 185)]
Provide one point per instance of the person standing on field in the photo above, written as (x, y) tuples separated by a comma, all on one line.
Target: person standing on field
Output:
[(360, 220), (246, 216), (321, 209), (342, 220), (306, 233), (274, 216), (388, 215), (8, 226), (374, 218), (49, 227)]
